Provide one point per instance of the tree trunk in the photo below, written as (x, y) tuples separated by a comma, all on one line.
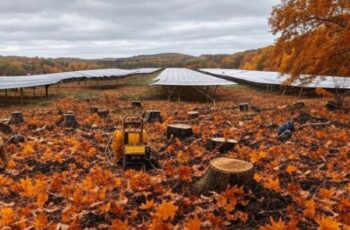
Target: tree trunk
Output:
[(69, 120), (221, 143), (179, 130), (193, 114), (223, 172), (16, 118), (152, 116)]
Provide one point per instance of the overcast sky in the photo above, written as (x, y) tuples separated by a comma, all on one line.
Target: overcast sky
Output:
[(120, 28)]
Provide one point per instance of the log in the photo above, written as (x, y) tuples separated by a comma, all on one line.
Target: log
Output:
[(221, 143), (223, 172), (193, 114), (243, 107), (69, 120), (181, 131), (103, 113), (136, 104), (152, 116), (16, 118)]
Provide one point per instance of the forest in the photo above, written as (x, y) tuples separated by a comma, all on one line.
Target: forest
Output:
[(251, 60)]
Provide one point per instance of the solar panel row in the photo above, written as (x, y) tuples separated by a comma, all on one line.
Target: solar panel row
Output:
[(274, 78), (54, 78), (186, 77)]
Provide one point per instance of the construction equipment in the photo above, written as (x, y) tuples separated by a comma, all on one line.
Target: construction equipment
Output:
[(129, 144)]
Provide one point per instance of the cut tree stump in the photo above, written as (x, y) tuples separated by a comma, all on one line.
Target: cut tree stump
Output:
[(152, 116), (16, 139), (136, 104), (5, 128), (243, 107), (103, 113), (221, 143), (16, 118), (193, 114), (223, 172), (69, 120), (3, 154), (93, 109), (179, 130), (299, 104)]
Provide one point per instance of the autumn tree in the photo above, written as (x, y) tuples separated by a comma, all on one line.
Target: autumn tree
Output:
[(313, 38)]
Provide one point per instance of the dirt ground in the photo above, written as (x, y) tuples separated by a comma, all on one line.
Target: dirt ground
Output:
[(65, 178)]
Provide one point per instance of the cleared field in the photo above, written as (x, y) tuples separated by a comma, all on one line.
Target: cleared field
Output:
[(69, 177)]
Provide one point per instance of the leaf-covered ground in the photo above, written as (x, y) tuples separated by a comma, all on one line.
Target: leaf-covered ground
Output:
[(63, 178)]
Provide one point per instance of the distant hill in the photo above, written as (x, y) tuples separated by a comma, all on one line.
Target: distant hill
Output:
[(259, 59)]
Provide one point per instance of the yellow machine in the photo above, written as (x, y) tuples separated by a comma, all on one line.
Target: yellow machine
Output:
[(129, 144)]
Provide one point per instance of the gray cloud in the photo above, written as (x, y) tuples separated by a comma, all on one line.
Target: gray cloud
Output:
[(116, 28)]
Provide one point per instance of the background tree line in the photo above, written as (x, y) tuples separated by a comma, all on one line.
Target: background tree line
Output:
[(252, 60)]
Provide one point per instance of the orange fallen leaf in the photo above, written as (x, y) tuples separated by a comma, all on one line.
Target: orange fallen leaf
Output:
[(291, 168), (279, 225), (7, 216), (40, 221), (328, 223), (120, 225), (310, 208), (273, 184), (148, 205), (193, 224), (326, 193), (166, 210)]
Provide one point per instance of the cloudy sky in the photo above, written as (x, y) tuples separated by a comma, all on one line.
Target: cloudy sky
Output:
[(119, 28)]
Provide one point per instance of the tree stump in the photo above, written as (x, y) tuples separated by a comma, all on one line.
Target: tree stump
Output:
[(222, 144), (243, 107), (256, 109), (16, 118), (333, 105), (103, 113), (136, 104), (5, 128), (223, 172), (299, 104), (179, 130), (3, 154), (69, 120), (193, 114), (93, 109), (16, 139), (152, 116), (285, 135)]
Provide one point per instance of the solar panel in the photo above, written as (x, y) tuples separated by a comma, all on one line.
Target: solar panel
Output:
[(186, 77), (275, 78), (147, 70), (7, 82)]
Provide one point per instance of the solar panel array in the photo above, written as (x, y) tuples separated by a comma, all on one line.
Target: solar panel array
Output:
[(274, 78), (186, 77), (7, 82)]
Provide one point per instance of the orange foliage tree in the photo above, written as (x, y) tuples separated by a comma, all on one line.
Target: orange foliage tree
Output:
[(313, 37)]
